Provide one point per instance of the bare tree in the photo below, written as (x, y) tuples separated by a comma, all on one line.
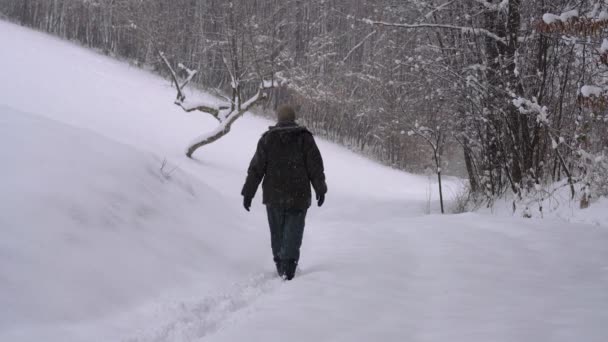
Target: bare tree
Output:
[(435, 138), (226, 113)]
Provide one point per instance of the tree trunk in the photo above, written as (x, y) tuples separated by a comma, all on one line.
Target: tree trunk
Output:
[(468, 161), (438, 166)]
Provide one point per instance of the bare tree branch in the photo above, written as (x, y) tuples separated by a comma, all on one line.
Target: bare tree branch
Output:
[(463, 29), (358, 45)]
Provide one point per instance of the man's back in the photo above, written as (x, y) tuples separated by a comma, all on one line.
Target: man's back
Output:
[(288, 160)]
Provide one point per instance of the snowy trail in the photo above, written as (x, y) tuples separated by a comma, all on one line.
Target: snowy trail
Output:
[(437, 279), (184, 262), (202, 317)]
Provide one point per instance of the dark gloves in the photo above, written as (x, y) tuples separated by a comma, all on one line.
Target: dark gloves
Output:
[(247, 202), (320, 199)]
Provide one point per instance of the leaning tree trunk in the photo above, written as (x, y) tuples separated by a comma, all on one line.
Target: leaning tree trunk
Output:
[(225, 114), (225, 124)]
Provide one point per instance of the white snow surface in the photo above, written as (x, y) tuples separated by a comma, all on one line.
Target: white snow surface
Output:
[(568, 15), (550, 18), (99, 244), (589, 90)]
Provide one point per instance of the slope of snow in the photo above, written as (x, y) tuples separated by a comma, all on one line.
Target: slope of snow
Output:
[(98, 245), (91, 227)]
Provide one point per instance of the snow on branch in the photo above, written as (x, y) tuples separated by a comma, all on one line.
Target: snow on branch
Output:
[(604, 52), (180, 95), (228, 117), (593, 97), (463, 29), (589, 91), (191, 74), (526, 106), (190, 106), (266, 84), (570, 22), (549, 18), (224, 113), (201, 105)]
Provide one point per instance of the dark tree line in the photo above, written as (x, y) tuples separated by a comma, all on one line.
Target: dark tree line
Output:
[(510, 91)]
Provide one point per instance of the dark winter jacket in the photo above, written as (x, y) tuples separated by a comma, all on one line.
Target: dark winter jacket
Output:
[(288, 160)]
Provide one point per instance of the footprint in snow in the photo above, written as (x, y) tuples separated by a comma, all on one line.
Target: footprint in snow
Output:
[(192, 321)]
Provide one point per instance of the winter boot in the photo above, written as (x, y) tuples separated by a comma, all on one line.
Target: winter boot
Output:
[(279, 266), (289, 268)]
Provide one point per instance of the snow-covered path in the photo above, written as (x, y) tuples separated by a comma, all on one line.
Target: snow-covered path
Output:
[(83, 138)]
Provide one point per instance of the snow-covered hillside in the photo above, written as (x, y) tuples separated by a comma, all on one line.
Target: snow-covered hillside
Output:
[(91, 226), (99, 242)]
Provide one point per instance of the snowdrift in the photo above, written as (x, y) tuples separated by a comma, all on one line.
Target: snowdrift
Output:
[(91, 227)]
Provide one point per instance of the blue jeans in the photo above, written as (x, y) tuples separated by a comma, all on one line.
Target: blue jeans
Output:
[(286, 232)]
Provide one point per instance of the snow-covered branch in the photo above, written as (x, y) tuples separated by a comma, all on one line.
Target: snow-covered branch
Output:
[(463, 29), (590, 91), (180, 95), (228, 117), (191, 74), (202, 106), (570, 22), (225, 113), (549, 18), (593, 97), (181, 101), (526, 106)]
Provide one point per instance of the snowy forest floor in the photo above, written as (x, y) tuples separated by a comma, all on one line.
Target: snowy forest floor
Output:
[(98, 243)]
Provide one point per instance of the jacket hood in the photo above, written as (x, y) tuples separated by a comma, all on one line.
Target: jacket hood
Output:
[(286, 130)]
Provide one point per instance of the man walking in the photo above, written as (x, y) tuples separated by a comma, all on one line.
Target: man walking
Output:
[(288, 160)]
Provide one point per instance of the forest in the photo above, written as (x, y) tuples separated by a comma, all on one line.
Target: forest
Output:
[(508, 94)]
